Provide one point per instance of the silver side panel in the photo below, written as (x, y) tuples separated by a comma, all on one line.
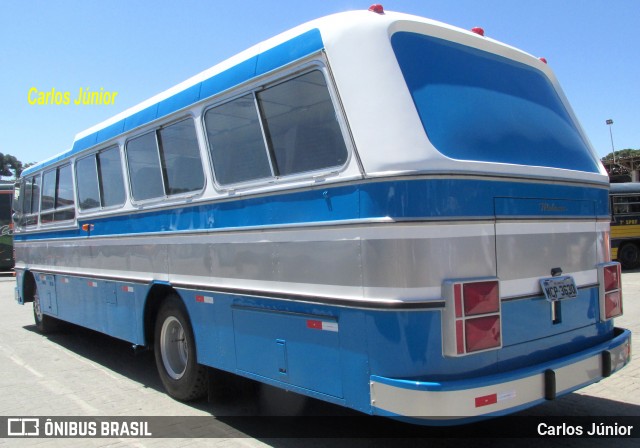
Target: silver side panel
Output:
[(399, 261)]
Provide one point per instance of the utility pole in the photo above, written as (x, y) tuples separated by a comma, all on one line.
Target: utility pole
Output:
[(613, 151)]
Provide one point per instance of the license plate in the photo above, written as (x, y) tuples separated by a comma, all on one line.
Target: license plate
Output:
[(559, 288)]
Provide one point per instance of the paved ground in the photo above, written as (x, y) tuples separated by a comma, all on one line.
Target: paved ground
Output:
[(76, 372)]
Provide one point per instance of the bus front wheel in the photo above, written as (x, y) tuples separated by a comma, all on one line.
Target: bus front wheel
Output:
[(44, 323), (629, 256), (175, 352)]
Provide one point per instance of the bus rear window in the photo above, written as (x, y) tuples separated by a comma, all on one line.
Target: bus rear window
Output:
[(478, 106)]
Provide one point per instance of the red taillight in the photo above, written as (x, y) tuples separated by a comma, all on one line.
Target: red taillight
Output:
[(482, 333), (471, 320), (613, 304), (481, 298), (610, 279)]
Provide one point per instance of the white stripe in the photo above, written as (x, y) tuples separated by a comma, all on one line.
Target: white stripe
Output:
[(538, 228)]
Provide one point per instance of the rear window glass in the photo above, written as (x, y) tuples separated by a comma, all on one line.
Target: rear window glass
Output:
[(478, 106)]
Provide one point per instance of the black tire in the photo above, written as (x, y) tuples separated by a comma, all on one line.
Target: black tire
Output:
[(44, 323), (175, 352), (629, 256)]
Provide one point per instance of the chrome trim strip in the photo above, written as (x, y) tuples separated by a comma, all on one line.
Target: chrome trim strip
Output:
[(370, 304)]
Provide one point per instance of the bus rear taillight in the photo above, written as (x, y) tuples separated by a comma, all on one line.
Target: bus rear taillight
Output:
[(610, 280), (471, 319)]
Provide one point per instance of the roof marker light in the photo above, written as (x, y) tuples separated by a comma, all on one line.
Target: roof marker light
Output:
[(543, 60), (478, 30), (377, 8)]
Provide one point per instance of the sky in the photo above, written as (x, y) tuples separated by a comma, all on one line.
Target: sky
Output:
[(143, 47)]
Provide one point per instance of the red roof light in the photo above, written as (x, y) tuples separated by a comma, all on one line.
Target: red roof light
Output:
[(478, 30), (377, 8)]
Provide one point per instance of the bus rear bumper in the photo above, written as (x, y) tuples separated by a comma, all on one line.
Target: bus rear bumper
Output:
[(459, 401)]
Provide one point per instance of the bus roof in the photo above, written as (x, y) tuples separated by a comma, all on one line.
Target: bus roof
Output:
[(625, 188), (265, 57)]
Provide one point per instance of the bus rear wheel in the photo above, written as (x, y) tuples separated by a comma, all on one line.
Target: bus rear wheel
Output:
[(629, 256), (175, 352)]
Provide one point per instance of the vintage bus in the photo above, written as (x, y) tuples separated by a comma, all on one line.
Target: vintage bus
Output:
[(373, 209), (625, 224), (6, 226)]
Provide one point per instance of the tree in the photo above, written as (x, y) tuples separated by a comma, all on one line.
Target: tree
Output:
[(622, 153), (10, 166)]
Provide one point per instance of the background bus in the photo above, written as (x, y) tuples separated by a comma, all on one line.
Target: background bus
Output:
[(6, 225), (625, 224), (373, 209)]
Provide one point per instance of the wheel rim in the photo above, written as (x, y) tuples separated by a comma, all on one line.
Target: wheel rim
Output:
[(36, 306), (174, 348)]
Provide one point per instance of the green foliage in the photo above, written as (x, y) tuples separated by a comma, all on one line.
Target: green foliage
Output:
[(622, 154), (10, 166)]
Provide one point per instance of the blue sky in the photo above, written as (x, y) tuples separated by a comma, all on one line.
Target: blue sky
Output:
[(140, 48)]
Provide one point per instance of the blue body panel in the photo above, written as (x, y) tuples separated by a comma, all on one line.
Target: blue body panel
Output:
[(113, 308), (400, 199), (271, 339)]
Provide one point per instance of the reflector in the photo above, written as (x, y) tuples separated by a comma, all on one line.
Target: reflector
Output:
[(611, 277), (482, 333), (471, 318), (613, 304), (610, 280), (480, 298)]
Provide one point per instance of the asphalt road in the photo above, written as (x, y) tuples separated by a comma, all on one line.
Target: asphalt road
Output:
[(79, 373)]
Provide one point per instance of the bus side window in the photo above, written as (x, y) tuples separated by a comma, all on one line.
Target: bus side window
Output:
[(17, 215), (99, 179), (236, 143), (31, 205), (302, 125), (110, 176), (165, 162), (49, 190), (180, 155), (57, 195), (144, 167), (626, 205), (87, 182)]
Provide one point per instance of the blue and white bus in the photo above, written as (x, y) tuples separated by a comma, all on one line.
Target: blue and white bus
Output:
[(373, 209)]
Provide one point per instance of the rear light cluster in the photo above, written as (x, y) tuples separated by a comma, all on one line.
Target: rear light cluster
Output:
[(471, 320), (610, 280)]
